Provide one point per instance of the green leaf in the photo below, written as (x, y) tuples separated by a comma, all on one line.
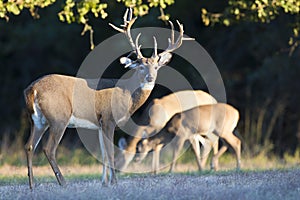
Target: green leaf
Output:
[(13, 8), (226, 22), (61, 17)]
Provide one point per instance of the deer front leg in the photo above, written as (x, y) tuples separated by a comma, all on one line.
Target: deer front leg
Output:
[(108, 134), (104, 157), (213, 142), (155, 161), (196, 148), (55, 135), (179, 142), (35, 136), (206, 148)]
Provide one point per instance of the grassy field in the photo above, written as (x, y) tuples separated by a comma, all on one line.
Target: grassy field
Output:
[(261, 177), (185, 165), (80, 162)]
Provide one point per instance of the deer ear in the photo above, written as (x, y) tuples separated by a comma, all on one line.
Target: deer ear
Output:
[(145, 141), (128, 62), (164, 59), (125, 61), (122, 143)]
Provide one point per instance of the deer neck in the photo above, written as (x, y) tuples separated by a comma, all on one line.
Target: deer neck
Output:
[(133, 83), (139, 97), (136, 136), (139, 90), (133, 144)]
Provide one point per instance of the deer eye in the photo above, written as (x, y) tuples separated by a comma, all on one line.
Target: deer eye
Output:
[(142, 68)]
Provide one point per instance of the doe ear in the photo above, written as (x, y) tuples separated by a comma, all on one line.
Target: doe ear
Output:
[(145, 141), (122, 143), (164, 59)]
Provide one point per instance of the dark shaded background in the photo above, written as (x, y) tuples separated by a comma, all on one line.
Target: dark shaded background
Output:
[(261, 79)]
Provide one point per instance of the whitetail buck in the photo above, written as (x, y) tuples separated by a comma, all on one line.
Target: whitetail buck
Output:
[(156, 116), (169, 135), (57, 102)]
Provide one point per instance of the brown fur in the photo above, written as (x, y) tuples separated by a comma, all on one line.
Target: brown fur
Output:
[(156, 116), (220, 119)]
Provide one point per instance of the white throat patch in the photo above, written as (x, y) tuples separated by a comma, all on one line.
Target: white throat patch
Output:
[(147, 86)]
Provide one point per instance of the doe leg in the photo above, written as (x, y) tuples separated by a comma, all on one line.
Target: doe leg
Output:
[(176, 150), (206, 148), (217, 154), (155, 160), (196, 147), (235, 142)]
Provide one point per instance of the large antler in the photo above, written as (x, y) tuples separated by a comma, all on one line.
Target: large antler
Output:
[(172, 44), (128, 22)]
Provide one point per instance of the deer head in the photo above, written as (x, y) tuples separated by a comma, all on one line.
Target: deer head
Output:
[(147, 67)]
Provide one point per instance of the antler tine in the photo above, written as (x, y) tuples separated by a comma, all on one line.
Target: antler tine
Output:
[(179, 39), (128, 22), (138, 47), (181, 32), (117, 28), (172, 32), (125, 17), (155, 47), (130, 14), (172, 44)]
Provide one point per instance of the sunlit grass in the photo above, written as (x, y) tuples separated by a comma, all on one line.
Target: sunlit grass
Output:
[(79, 164)]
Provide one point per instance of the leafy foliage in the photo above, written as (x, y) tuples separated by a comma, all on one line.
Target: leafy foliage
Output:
[(79, 11), (15, 7), (263, 11)]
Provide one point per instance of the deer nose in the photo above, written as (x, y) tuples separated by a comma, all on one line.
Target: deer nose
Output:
[(149, 78)]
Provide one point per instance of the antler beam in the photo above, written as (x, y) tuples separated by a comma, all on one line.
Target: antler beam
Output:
[(128, 22)]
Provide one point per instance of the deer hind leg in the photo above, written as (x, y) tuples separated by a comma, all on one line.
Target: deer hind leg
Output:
[(217, 154), (55, 136), (235, 142), (35, 136)]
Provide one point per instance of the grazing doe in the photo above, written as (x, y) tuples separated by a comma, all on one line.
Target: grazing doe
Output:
[(211, 121), (156, 116), (168, 136)]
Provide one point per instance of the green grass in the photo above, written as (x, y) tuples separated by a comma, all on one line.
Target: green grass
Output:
[(12, 180), (64, 157), (21, 180), (80, 157)]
